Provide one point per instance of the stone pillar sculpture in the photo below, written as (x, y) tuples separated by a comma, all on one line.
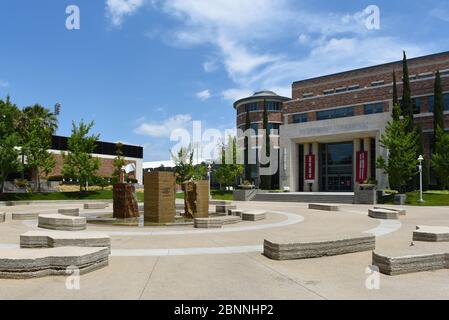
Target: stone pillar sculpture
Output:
[(159, 197), (197, 199), (125, 201)]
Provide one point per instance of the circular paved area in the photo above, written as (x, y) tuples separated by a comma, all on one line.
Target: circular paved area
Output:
[(185, 263)]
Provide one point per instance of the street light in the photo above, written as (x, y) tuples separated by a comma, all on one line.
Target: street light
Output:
[(420, 159), (209, 170)]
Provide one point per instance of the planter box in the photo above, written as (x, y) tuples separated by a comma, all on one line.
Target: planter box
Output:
[(244, 195), (365, 196)]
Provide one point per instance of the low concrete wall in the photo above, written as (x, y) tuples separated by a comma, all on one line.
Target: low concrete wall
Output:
[(365, 197), (244, 195)]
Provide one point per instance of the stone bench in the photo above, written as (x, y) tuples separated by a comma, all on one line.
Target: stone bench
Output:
[(61, 222), (253, 215), (234, 212), (383, 214), (323, 207), (400, 211), (53, 239), (224, 208), (21, 216), (208, 223), (96, 206), (2, 217), (291, 249), (36, 263), (230, 220), (410, 263), (431, 234), (74, 212)]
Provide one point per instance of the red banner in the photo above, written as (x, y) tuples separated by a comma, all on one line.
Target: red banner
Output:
[(310, 168), (362, 166)]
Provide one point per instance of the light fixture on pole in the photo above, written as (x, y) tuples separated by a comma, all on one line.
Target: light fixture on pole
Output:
[(209, 170), (420, 159)]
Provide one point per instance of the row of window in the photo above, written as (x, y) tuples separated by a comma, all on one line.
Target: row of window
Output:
[(426, 75), (340, 113), (271, 127), (272, 106)]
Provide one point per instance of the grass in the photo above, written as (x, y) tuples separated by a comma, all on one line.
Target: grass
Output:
[(92, 195), (431, 198)]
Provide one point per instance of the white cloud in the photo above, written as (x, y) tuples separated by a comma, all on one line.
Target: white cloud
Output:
[(236, 94), (164, 128), (304, 39), (210, 66), (116, 10), (4, 84), (203, 95), (440, 13)]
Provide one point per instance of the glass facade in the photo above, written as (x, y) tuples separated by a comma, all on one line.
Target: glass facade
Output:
[(335, 113), (336, 167), (431, 102), (373, 108), (300, 118), (273, 106)]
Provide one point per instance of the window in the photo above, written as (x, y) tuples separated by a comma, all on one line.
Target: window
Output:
[(300, 118), (354, 87), (327, 92), (431, 103), (252, 107), (273, 106), (377, 83), (339, 90), (416, 105), (255, 127), (426, 75), (373, 108), (444, 72), (307, 95), (272, 127), (335, 113)]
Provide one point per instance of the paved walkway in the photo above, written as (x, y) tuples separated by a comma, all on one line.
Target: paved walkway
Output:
[(183, 263)]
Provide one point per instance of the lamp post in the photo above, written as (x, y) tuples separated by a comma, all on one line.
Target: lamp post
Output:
[(209, 170), (420, 159)]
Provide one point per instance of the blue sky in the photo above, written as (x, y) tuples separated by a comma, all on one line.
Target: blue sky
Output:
[(141, 68)]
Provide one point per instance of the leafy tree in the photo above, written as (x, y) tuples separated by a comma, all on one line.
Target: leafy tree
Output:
[(438, 108), (118, 163), (37, 127), (78, 162), (440, 159), (9, 140), (402, 148), (227, 173), (407, 103), (184, 168)]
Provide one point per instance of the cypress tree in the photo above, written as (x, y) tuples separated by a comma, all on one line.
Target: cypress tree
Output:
[(266, 180), (407, 104), (395, 90), (246, 155), (438, 108)]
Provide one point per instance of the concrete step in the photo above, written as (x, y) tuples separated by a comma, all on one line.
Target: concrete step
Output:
[(54, 239), (305, 198), (61, 222)]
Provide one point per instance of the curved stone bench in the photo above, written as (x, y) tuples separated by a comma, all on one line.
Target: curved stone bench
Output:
[(53, 239), (96, 206), (208, 223), (410, 263), (253, 215), (400, 211), (36, 263), (61, 222), (431, 234), (2, 217), (323, 207), (74, 212), (291, 249), (383, 214), (21, 216)]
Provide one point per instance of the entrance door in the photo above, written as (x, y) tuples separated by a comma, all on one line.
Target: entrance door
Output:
[(336, 167)]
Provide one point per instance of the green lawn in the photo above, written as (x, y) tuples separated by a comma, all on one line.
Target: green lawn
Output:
[(92, 195), (431, 198)]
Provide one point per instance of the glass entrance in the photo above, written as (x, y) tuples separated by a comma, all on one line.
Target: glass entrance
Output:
[(336, 167)]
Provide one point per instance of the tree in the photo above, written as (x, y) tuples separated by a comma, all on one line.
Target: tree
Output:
[(407, 103), (266, 179), (38, 125), (227, 173), (9, 140), (395, 95), (402, 148), (184, 168), (247, 165), (78, 162), (119, 162), (438, 108), (440, 159)]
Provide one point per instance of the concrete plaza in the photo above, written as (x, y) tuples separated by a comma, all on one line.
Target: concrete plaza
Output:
[(181, 262)]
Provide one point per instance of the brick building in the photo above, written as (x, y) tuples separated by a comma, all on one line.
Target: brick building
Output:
[(106, 152), (330, 129)]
